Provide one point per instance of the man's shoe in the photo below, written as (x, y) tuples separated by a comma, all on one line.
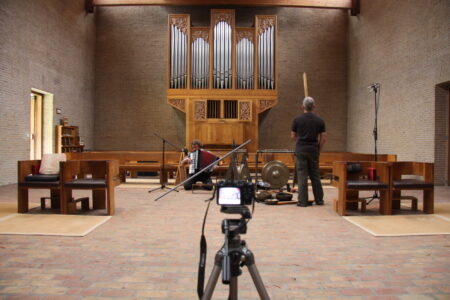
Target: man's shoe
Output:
[(319, 202), (302, 204)]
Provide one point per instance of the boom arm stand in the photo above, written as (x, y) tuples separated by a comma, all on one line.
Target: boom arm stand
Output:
[(163, 167)]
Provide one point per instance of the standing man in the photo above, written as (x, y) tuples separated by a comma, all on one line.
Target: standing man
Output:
[(308, 130)]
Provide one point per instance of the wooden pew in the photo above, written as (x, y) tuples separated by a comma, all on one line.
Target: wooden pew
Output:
[(423, 180), (327, 158), (145, 161), (99, 176), (151, 161), (351, 177)]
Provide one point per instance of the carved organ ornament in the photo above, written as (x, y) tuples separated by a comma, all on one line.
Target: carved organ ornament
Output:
[(222, 76)]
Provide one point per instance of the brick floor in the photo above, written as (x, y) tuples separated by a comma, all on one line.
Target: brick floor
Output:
[(150, 250)]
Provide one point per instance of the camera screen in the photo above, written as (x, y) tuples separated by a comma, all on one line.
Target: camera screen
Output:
[(229, 196)]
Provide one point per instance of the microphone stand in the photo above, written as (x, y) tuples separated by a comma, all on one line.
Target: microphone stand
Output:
[(163, 168), (376, 91)]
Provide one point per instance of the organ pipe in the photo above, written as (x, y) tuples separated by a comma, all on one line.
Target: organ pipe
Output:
[(222, 71), (178, 52), (244, 61), (266, 53), (200, 62)]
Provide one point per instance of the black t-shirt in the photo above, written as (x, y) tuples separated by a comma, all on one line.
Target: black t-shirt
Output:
[(308, 126)]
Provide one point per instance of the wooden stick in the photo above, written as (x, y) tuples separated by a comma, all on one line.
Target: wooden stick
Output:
[(305, 84)]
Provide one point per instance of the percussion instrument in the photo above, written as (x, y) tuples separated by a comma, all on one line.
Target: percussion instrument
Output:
[(276, 173)]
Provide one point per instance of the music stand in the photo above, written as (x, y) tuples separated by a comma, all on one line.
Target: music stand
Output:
[(163, 168)]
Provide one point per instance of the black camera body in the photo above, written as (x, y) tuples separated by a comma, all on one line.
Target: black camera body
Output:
[(235, 193)]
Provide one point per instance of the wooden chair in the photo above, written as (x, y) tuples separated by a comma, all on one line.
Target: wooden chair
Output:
[(424, 173), (39, 174), (100, 176), (26, 180), (352, 177)]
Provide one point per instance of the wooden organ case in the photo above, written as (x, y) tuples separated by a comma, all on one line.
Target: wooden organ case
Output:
[(222, 77)]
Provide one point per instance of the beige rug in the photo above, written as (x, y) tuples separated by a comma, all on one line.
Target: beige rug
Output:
[(50, 224), (9, 208), (442, 209), (401, 225)]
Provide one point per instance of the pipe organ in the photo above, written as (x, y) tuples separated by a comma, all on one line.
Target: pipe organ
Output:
[(222, 76)]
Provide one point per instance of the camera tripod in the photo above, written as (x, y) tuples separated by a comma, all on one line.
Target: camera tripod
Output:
[(230, 258)]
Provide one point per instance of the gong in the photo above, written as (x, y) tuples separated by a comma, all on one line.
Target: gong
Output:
[(276, 173)]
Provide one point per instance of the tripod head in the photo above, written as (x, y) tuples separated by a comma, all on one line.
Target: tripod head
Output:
[(232, 250), (240, 209), (233, 227)]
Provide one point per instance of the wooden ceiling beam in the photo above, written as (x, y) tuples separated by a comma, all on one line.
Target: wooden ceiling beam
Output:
[(337, 4)]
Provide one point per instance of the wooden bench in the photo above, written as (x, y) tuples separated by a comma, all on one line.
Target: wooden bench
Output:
[(351, 177), (422, 174), (98, 176), (143, 161), (151, 161), (327, 159)]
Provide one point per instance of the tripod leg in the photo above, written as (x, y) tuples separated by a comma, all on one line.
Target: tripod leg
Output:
[(250, 262), (233, 288), (212, 281)]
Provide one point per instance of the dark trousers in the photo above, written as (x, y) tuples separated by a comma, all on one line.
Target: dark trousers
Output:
[(204, 177), (308, 166)]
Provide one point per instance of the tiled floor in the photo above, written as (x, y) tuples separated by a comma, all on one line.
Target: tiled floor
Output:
[(150, 250)]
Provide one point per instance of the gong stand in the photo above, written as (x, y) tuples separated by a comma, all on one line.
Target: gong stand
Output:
[(257, 160), (243, 169)]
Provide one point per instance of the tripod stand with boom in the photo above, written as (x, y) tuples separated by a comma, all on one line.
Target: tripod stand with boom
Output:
[(163, 168), (375, 88)]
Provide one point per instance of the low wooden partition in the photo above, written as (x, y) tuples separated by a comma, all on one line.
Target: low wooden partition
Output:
[(151, 161), (327, 158), (145, 161)]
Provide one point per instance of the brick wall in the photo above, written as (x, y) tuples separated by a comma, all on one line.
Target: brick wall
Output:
[(405, 46), (46, 45), (131, 70)]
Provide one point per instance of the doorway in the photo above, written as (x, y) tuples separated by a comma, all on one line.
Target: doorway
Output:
[(442, 134), (36, 118), (41, 123), (448, 138)]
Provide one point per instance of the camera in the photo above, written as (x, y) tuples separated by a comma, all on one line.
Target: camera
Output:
[(235, 193)]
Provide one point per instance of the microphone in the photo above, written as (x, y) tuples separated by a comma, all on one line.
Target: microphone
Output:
[(373, 86)]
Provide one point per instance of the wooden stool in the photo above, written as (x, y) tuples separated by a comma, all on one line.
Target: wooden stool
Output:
[(84, 204), (54, 202), (352, 201), (412, 198)]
